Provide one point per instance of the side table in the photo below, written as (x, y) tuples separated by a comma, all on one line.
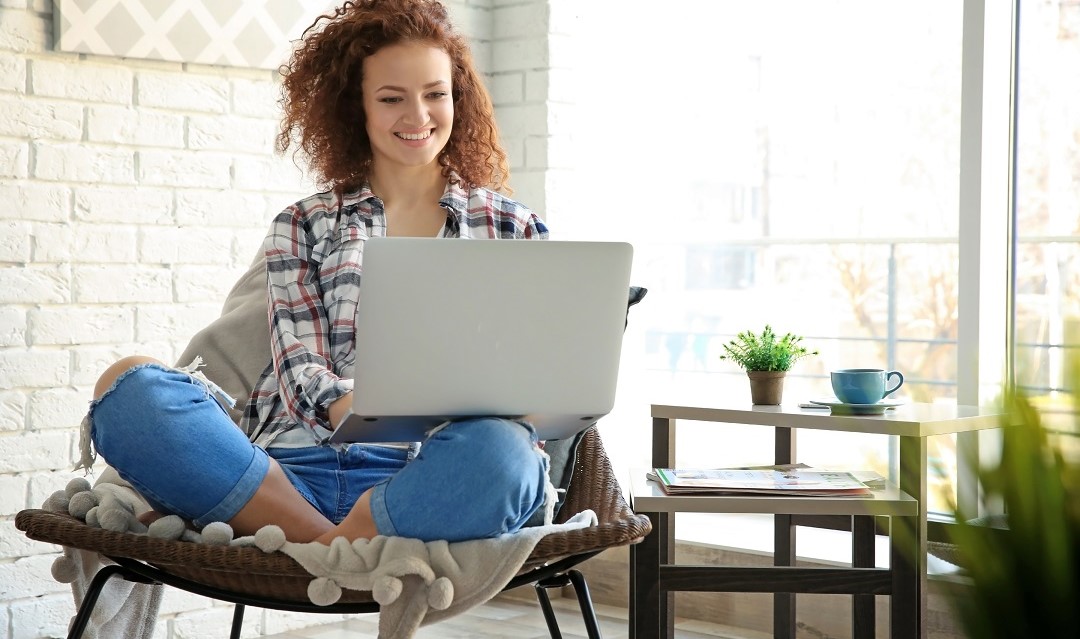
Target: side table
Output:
[(653, 576)]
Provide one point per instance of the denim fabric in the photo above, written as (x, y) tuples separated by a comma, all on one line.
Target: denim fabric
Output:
[(472, 479), (165, 434), (333, 478)]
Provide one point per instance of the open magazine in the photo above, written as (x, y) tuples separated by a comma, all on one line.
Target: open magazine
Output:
[(789, 480)]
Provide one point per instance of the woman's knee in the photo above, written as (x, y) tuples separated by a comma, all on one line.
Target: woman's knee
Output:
[(475, 478), (505, 455), (109, 377), (496, 441), (496, 432)]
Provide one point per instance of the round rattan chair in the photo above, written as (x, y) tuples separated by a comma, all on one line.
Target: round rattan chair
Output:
[(247, 576)]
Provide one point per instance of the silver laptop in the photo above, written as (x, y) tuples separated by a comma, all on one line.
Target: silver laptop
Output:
[(454, 328)]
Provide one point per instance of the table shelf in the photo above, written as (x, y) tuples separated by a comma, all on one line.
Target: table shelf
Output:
[(647, 496), (908, 420)]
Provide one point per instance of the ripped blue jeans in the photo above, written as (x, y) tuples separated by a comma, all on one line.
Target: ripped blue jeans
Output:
[(162, 431)]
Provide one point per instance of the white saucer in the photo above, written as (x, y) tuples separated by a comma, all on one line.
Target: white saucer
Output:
[(842, 408)]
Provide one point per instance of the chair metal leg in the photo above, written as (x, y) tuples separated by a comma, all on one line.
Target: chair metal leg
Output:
[(237, 621), (588, 612), (545, 606), (581, 589), (82, 617)]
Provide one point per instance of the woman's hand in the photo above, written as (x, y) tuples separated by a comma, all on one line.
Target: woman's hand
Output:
[(336, 411)]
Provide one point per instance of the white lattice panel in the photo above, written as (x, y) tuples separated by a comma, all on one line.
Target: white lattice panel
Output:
[(241, 33)]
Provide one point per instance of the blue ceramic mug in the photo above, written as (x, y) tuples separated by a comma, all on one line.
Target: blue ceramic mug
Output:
[(863, 385)]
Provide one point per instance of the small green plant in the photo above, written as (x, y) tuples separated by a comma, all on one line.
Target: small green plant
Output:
[(765, 352), (1025, 577), (1018, 546)]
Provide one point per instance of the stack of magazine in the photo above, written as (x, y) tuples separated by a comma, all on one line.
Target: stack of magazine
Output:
[(787, 480)]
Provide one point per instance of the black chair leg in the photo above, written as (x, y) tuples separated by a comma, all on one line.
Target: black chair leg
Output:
[(545, 606), (82, 617), (588, 613), (581, 589), (237, 621)]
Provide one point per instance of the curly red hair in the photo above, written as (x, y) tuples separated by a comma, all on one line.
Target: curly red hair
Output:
[(322, 102)]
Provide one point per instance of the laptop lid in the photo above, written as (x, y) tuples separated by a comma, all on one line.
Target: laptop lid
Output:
[(452, 328)]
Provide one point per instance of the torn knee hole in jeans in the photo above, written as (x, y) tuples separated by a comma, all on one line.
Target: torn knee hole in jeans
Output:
[(87, 455)]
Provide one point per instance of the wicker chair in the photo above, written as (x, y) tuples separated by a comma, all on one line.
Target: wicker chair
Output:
[(247, 576), (948, 551)]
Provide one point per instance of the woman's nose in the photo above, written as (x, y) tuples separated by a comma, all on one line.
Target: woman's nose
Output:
[(415, 113)]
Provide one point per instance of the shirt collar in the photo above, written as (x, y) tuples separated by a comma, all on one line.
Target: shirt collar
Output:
[(455, 197)]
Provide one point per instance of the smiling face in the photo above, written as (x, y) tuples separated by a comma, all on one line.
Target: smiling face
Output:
[(408, 105)]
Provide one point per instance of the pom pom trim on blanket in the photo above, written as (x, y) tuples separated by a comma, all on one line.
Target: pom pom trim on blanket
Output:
[(414, 582)]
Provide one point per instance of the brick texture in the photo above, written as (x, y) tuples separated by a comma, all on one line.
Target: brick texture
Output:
[(132, 194)]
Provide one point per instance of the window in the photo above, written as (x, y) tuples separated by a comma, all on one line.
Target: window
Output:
[(1047, 307), (781, 162)]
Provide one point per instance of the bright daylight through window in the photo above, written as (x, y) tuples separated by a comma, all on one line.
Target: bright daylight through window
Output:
[(797, 163), (1048, 201)]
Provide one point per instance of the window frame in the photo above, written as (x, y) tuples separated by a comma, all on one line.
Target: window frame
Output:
[(987, 223)]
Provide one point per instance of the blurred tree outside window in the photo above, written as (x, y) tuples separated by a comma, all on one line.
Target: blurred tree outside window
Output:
[(1048, 202), (772, 163)]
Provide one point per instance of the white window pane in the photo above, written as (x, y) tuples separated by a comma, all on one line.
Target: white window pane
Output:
[(1048, 202), (774, 161)]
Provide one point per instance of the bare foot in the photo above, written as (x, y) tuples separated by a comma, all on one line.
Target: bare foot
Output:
[(150, 517), (358, 524)]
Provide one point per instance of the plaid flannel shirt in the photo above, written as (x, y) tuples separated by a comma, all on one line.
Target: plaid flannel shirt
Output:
[(314, 251)]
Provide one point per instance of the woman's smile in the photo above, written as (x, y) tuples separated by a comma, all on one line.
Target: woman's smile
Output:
[(417, 139)]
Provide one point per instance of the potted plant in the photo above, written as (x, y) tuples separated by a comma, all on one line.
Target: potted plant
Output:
[(1023, 571), (766, 359)]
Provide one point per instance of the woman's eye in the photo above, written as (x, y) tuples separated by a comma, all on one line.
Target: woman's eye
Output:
[(390, 100), (437, 95)]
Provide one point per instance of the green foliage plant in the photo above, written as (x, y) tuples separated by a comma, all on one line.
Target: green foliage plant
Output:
[(765, 352), (1025, 577)]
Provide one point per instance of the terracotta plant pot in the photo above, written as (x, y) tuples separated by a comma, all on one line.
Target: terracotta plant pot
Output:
[(766, 387)]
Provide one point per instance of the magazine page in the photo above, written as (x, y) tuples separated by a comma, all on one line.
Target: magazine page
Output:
[(787, 481)]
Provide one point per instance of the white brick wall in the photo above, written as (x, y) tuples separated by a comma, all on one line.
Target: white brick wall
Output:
[(532, 83), (132, 193)]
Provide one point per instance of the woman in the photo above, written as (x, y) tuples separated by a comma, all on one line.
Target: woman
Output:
[(383, 100)]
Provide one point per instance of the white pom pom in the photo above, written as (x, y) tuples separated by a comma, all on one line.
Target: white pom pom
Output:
[(81, 503), (440, 594), (57, 502), (270, 539), (191, 536), (217, 533), (115, 519), (386, 590), (323, 592), (167, 527), (64, 569), (111, 501), (76, 486), (92, 517)]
